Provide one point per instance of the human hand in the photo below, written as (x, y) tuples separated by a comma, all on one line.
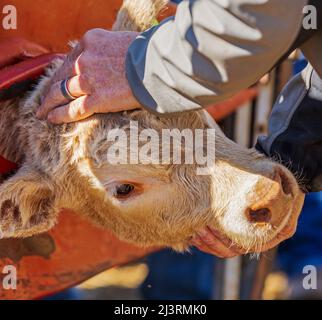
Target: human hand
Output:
[(96, 73), (212, 242), (209, 241)]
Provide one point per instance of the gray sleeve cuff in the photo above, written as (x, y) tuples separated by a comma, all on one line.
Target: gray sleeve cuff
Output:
[(132, 64)]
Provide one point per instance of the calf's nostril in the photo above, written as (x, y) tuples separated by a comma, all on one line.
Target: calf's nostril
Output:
[(259, 216), (285, 182)]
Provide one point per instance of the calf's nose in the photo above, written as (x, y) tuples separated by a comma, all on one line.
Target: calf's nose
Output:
[(270, 199)]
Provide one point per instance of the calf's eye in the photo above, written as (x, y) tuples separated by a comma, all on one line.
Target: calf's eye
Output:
[(124, 190)]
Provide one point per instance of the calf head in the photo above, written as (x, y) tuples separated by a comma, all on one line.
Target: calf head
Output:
[(245, 197)]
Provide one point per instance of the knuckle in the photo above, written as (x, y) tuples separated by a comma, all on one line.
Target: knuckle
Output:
[(88, 36), (84, 83), (82, 60), (88, 106), (82, 110), (91, 35), (53, 92)]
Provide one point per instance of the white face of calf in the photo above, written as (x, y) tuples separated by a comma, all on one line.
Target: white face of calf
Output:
[(248, 199)]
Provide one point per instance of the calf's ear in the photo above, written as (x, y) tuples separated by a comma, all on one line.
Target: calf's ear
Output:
[(26, 204)]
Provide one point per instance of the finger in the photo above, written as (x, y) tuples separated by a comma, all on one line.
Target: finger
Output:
[(74, 56), (70, 66), (76, 110), (78, 48), (217, 249), (227, 242), (78, 65), (214, 245), (77, 87), (197, 242), (214, 238)]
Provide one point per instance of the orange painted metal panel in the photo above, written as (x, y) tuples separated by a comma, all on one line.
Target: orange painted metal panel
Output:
[(222, 110), (72, 252), (53, 23)]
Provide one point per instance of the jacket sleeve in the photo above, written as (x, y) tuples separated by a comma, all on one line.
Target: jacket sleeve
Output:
[(210, 50), (295, 131)]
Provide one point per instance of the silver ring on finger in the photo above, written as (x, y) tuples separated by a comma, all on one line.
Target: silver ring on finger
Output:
[(65, 91)]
